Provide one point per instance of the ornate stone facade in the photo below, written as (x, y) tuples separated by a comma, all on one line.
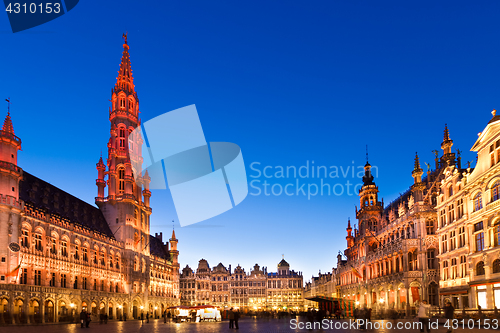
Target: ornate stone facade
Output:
[(60, 255), (256, 291), (392, 255), (469, 226)]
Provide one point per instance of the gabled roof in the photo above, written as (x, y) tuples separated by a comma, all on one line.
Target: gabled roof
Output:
[(52, 200)]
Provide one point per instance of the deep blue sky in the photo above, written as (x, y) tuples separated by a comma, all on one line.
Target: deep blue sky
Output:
[(289, 82)]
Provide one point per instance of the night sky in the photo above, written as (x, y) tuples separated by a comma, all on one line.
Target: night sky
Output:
[(291, 83)]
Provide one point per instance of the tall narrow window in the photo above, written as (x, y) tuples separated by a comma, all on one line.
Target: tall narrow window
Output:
[(444, 243), (122, 138), (479, 241), (460, 208), (52, 282), (453, 240), (75, 284), (480, 268), (495, 195), (492, 156), (77, 254), (442, 218), (38, 277), (24, 276), (454, 271), (121, 180), (478, 203), (461, 237), (429, 224), (64, 248), (53, 249), (431, 259), (85, 254), (38, 242), (63, 280), (451, 213), (445, 270), (463, 266), (24, 239)]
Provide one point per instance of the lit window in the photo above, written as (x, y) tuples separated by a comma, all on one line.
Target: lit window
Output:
[(478, 203), (495, 195)]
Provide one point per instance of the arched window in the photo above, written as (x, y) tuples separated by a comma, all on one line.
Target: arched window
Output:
[(131, 105), (450, 191), (122, 102), (495, 195), (121, 180), (496, 266), (412, 261), (478, 202), (480, 268), (496, 234)]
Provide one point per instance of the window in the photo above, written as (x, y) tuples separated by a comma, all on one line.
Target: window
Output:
[(38, 277), (431, 259), (463, 266), (480, 268), (121, 180), (38, 242), (84, 283), (53, 248), (445, 270), (24, 239), (460, 208), (63, 280), (52, 281), (85, 254), (478, 203), (496, 234), (461, 237), (495, 195), (444, 243), (64, 248), (121, 138), (451, 213), (450, 191), (454, 270), (122, 103), (95, 284), (480, 241), (429, 225), (453, 241), (496, 266), (442, 218), (412, 261), (75, 284), (24, 276), (77, 254), (102, 285), (478, 226)]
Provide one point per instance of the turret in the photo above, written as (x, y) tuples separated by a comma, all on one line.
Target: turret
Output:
[(101, 184), (10, 173), (448, 157)]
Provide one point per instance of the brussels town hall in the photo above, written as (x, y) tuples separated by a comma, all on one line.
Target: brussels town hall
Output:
[(59, 254)]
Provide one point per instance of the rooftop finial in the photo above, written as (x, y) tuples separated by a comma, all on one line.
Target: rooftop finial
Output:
[(124, 36), (494, 112), (446, 133), (366, 153), (8, 105)]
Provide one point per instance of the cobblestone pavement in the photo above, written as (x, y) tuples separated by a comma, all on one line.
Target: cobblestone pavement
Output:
[(245, 325)]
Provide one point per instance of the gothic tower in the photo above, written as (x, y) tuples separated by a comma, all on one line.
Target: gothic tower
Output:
[(418, 187), (448, 157), (126, 206), (10, 205)]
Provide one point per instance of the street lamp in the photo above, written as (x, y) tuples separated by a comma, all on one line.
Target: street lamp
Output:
[(381, 300)]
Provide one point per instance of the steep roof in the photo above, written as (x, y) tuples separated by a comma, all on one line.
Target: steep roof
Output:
[(157, 248), (52, 200)]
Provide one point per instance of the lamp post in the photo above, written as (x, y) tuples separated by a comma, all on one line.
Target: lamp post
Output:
[(142, 316)]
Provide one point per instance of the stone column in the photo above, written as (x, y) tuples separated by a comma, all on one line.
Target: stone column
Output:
[(490, 303), (42, 307), (407, 301), (56, 311)]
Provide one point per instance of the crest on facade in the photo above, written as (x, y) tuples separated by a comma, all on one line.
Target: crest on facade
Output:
[(411, 201)]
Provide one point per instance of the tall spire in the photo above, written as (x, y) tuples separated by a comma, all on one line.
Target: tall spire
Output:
[(7, 125), (417, 163), (448, 156), (125, 80), (417, 170)]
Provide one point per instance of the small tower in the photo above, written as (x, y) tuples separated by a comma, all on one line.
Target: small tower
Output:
[(349, 238), (417, 187), (448, 157), (11, 207), (101, 184), (174, 254), (11, 174)]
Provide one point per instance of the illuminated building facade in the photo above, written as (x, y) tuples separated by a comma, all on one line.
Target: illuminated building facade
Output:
[(255, 291), (60, 255), (392, 257), (321, 285), (469, 226)]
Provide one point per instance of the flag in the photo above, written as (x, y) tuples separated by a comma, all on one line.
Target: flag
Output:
[(15, 271), (355, 272)]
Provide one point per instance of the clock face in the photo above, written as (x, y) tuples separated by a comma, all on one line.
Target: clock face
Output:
[(14, 247)]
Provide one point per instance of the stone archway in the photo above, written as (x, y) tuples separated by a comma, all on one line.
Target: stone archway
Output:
[(49, 311), (19, 316), (5, 316)]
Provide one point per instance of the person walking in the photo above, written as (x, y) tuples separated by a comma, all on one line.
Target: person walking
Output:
[(449, 313), (231, 318), (87, 320), (423, 316), (83, 317), (147, 317), (236, 317)]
